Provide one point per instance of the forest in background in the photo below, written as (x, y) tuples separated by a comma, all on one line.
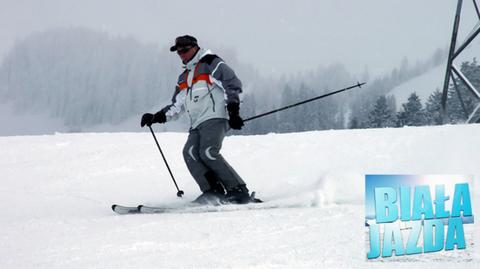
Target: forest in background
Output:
[(88, 78)]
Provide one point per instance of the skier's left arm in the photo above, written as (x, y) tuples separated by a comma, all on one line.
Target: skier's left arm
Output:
[(225, 77)]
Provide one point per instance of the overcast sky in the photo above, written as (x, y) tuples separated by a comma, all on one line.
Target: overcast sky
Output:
[(275, 36)]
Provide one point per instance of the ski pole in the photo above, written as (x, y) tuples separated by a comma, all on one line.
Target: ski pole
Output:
[(359, 85), (179, 192)]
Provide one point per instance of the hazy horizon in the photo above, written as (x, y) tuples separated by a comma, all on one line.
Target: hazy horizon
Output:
[(275, 37)]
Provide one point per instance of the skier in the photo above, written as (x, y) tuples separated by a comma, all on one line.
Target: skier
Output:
[(208, 90)]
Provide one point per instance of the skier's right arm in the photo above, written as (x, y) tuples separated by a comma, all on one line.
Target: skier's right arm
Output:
[(168, 113), (176, 108)]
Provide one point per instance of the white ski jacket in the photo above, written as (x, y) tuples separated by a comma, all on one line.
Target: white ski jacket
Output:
[(204, 89)]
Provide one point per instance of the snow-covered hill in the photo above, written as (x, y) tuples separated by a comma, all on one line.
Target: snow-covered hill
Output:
[(423, 86), (56, 192), (16, 123)]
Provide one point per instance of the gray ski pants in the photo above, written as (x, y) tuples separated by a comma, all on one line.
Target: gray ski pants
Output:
[(202, 154)]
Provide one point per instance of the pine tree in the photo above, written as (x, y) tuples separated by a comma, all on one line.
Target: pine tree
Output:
[(354, 124), (472, 71), (413, 113), (248, 110), (286, 121), (381, 115), (461, 103), (433, 108)]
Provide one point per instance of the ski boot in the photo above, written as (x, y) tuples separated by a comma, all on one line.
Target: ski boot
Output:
[(209, 197), (215, 195), (238, 195)]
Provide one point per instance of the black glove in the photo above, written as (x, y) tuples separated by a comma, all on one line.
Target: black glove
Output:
[(235, 121), (148, 118)]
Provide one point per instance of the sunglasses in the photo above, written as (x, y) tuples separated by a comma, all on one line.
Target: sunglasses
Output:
[(183, 50)]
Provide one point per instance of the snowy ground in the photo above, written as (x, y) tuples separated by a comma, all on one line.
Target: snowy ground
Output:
[(56, 192)]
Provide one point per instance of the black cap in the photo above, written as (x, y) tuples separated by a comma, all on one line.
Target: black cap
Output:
[(184, 41)]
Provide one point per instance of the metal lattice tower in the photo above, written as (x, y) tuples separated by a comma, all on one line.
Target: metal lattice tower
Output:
[(452, 69)]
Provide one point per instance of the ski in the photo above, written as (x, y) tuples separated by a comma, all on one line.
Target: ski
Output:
[(187, 208), (204, 209), (123, 210)]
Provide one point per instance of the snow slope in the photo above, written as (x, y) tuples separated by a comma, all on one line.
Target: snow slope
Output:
[(56, 193), (423, 85), (15, 123)]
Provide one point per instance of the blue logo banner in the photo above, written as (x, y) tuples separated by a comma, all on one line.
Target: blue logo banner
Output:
[(415, 214)]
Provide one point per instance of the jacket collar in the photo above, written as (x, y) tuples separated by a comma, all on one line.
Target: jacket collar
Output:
[(199, 55)]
